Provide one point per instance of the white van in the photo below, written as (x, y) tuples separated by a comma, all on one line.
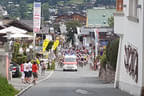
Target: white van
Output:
[(70, 62)]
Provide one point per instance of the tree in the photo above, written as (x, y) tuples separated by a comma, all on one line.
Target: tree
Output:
[(111, 21), (23, 9), (105, 2), (112, 53), (57, 27), (45, 11), (71, 30)]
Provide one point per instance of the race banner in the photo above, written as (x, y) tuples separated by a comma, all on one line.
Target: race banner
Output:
[(45, 44), (55, 45), (96, 35), (36, 17)]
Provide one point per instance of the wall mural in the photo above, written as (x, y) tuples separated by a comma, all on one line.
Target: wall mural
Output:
[(131, 61)]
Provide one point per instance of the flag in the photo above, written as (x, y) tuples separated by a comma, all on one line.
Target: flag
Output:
[(55, 45), (45, 44)]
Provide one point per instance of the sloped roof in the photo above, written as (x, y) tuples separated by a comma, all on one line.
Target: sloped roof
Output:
[(12, 29), (99, 16), (19, 24)]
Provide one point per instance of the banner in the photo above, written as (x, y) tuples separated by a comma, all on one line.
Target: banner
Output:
[(55, 45), (45, 44), (36, 16), (96, 35)]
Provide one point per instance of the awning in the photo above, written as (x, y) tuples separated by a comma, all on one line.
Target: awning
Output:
[(13, 30), (18, 36)]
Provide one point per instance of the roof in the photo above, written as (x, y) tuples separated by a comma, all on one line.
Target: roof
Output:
[(99, 16), (12, 29), (20, 25), (78, 14)]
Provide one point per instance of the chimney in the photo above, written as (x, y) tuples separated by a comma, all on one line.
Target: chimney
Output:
[(119, 5)]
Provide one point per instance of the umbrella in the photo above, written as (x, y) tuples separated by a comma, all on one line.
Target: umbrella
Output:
[(18, 36), (13, 30)]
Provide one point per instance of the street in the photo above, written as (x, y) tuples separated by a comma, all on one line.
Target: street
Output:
[(84, 82)]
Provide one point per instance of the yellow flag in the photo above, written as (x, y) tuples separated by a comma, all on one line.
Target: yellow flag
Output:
[(37, 60), (45, 44), (55, 45)]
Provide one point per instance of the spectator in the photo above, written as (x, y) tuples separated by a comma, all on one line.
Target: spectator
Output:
[(30, 70), (22, 72), (26, 72), (34, 72), (43, 67)]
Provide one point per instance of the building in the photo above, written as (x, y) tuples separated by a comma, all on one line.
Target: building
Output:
[(99, 16), (2, 11), (96, 37), (5, 50), (73, 17), (78, 17), (129, 25)]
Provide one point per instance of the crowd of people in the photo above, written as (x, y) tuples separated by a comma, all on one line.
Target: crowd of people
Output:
[(83, 55), (31, 69)]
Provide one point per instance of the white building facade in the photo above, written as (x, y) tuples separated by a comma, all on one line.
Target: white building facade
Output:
[(129, 25)]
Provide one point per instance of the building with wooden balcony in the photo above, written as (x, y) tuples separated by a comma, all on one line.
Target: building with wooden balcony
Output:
[(74, 17)]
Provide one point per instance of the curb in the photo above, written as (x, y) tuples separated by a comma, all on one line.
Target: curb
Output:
[(25, 89)]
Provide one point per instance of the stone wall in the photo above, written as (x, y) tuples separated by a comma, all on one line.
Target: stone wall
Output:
[(3, 65), (107, 74)]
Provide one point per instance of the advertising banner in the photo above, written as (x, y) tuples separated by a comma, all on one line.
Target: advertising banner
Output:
[(45, 44), (36, 17), (55, 45)]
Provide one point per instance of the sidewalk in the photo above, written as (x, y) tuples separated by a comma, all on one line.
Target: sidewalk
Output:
[(17, 84)]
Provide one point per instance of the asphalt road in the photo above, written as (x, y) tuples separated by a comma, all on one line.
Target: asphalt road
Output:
[(84, 82)]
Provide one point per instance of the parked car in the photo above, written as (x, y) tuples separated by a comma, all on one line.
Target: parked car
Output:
[(15, 69)]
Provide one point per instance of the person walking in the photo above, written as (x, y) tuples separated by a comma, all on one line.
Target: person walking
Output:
[(43, 66), (34, 72), (30, 70), (22, 72), (26, 72)]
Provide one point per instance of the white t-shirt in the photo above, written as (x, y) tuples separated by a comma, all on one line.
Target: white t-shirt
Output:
[(26, 67), (30, 66)]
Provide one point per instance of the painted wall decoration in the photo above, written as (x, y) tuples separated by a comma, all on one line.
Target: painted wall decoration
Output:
[(131, 61)]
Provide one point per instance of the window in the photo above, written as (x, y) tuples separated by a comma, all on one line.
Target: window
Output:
[(133, 8), (70, 60)]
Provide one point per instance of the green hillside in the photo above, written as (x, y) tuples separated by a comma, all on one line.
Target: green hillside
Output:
[(76, 1)]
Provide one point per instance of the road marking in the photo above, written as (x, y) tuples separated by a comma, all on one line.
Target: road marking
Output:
[(46, 77), (81, 91)]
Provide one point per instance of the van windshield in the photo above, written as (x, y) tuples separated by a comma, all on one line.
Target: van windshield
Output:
[(70, 60)]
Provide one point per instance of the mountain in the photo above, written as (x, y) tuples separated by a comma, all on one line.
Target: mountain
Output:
[(24, 8)]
